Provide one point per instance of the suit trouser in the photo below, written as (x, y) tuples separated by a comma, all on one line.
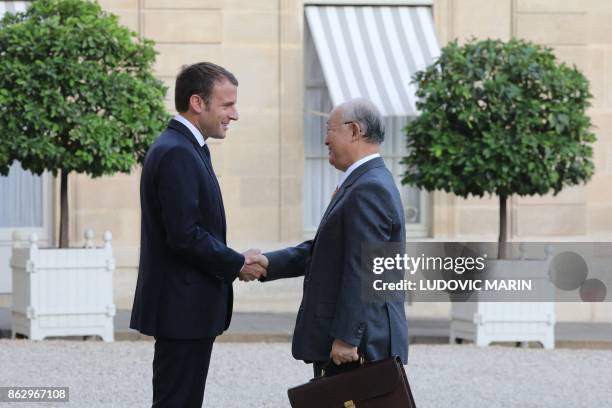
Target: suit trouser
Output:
[(180, 368)]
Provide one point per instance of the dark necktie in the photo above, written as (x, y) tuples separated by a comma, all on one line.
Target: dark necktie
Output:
[(206, 151)]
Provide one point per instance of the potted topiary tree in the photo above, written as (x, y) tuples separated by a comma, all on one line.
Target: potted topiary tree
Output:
[(77, 94), (499, 118)]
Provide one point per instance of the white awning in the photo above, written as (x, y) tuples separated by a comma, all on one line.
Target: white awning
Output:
[(373, 52), (12, 6)]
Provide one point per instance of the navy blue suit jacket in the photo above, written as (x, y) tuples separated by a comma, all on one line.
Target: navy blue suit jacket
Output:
[(366, 209), (186, 270)]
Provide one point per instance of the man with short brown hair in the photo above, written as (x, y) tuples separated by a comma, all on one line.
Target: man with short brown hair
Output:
[(184, 290)]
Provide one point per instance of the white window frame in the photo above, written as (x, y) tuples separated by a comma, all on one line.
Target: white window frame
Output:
[(422, 229), (45, 231)]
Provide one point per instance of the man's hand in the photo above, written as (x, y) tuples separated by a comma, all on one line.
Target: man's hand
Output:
[(343, 352), (254, 267)]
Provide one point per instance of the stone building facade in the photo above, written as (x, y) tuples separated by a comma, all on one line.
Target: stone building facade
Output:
[(261, 163)]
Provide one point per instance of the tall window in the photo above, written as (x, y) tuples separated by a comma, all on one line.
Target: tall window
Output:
[(21, 199), (320, 178)]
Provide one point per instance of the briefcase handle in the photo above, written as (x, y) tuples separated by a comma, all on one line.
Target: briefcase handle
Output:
[(330, 361)]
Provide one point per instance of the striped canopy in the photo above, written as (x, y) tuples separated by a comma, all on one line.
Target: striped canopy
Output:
[(373, 52)]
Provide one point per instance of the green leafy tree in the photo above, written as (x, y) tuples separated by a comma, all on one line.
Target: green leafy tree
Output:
[(77, 93), (499, 118)]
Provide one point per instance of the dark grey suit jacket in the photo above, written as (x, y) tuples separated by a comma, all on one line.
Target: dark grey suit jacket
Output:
[(366, 209)]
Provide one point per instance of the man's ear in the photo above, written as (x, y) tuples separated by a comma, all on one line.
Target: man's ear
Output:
[(196, 103), (357, 133)]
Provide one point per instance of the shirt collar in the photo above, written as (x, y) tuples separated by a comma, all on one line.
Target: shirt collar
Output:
[(194, 131), (353, 166)]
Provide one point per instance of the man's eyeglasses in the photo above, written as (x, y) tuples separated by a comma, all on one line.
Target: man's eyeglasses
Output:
[(329, 129)]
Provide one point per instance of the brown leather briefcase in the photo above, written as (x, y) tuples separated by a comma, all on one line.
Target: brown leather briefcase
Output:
[(376, 384)]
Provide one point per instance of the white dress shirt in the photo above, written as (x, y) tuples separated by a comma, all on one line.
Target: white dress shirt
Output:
[(194, 130), (353, 166)]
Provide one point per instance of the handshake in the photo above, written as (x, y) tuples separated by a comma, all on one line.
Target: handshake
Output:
[(255, 265)]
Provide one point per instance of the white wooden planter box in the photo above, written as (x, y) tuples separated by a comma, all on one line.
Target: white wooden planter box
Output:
[(63, 292), (485, 322)]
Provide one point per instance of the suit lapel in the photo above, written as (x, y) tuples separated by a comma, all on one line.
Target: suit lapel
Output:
[(358, 172), (184, 131), (211, 172), (335, 199)]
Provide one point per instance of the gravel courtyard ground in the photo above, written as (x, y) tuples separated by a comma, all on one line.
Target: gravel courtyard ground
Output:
[(258, 374)]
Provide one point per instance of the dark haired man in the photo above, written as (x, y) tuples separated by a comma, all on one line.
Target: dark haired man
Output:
[(184, 290)]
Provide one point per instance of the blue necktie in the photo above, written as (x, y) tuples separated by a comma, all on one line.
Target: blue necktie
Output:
[(206, 151)]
